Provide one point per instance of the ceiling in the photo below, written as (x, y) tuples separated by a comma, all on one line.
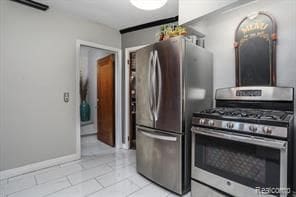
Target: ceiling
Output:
[(118, 14)]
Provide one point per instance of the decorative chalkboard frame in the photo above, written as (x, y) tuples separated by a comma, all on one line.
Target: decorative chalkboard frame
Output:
[(255, 50)]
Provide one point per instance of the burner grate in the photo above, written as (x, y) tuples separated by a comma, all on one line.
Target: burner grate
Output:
[(247, 113)]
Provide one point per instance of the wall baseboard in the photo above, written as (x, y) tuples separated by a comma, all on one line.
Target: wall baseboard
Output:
[(37, 166)]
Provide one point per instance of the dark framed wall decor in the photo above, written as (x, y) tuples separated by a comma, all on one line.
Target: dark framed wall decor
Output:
[(255, 50)]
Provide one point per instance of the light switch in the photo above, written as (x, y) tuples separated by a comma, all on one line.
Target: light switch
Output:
[(66, 97)]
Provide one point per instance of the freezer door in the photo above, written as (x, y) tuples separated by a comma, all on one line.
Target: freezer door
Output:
[(159, 157), (144, 97), (168, 94)]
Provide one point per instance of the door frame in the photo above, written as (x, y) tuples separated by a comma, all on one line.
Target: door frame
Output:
[(126, 145), (118, 91)]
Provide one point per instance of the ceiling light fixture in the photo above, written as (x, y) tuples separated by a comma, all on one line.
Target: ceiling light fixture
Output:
[(148, 4)]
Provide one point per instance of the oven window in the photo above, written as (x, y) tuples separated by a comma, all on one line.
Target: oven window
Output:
[(247, 164)]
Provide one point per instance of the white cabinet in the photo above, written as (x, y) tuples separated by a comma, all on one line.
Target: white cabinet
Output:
[(193, 9)]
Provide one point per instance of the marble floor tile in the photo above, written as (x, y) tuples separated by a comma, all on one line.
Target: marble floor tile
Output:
[(3, 181), (99, 160), (89, 174), (18, 185), (57, 173), (139, 180), (116, 176), (150, 190), (120, 189), (119, 163), (32, 174), (79, 190), (175, 195), (43, 189)]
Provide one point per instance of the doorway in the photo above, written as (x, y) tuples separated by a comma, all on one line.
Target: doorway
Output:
[(97, 108), (130, 92), (93, 75)]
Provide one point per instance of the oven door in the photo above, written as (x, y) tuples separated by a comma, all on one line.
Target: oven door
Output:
[(240, 165)]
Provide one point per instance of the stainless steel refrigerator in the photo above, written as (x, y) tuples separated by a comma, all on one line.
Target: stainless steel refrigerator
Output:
[(174, 79)]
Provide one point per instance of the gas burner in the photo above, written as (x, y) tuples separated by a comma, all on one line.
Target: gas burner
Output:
[(268, 115), (247, 120), (246, 113)]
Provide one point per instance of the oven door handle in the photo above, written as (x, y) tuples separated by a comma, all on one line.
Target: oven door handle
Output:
[(271, 143)]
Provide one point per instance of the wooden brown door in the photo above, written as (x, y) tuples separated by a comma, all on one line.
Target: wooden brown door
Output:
[(105, 102)]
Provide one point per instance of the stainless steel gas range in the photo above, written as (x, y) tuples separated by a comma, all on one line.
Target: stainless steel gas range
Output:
[(244, 146)]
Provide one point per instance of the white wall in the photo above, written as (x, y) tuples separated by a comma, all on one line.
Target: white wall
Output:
[(192, 9), (220, 28), (37, 65)]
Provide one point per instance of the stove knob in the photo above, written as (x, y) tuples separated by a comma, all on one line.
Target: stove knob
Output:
[(253, 128), (230, 125), (267, 130), (211, 122), (202, 121)]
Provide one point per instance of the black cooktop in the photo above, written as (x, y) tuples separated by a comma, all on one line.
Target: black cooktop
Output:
[(245, 114)]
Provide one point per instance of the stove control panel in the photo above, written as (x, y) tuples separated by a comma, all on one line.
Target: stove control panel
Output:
[(267, 130), (211, 123), (249, 93), (202, 121), (253, 128), (229, 125), (242, 127)]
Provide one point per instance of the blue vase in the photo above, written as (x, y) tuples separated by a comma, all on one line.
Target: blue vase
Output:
[(84, 111)]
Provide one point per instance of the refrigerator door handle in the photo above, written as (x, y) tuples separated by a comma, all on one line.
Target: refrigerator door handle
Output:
[(150, 97), (158, 67), (160, 137), (154, 84)]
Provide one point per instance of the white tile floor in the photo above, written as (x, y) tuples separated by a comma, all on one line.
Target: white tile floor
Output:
[(103, 171)]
